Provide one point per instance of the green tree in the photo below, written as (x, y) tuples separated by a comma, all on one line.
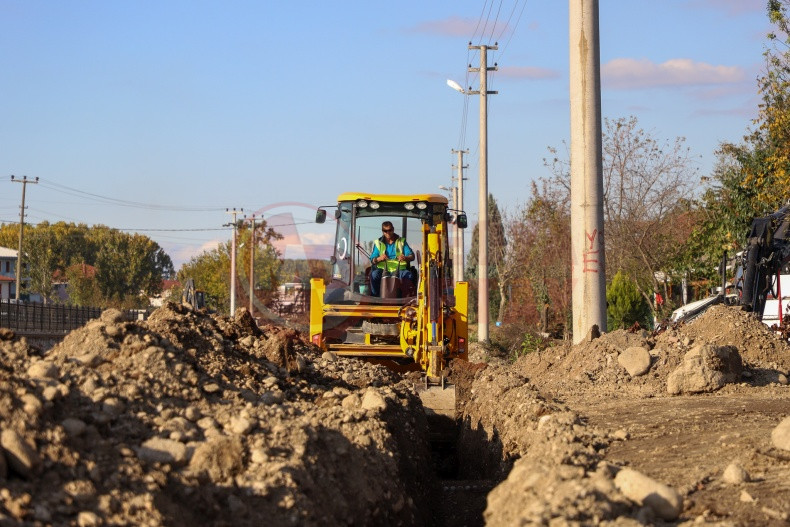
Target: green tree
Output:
[(129, 267), (82, 287), (625, 304), (497, 244), (211, 272)]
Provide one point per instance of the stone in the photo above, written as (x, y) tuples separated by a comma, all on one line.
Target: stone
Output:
[(113, 406), (373, 400), (42, 370), (735, 474), (705, 368), (22, 457), (88, 519), (329, 356), (665, 501), (635, 360), (351, 401), (160, 450), (74, 427), (780, 436), (219, 458), (240, 425)]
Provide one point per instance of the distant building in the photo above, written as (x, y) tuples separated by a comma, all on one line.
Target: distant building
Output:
[(60, 284), (164, 295), (7, 273)]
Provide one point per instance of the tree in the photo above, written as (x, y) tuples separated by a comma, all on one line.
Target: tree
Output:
[(646, 207), (751, 178), (129, 267), (497, 244), (211, 272), (625, 304)]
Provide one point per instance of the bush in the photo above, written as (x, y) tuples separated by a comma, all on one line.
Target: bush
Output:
[(625, 305), (516, 339)]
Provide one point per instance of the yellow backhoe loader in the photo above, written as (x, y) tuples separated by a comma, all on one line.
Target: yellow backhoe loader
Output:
[(418, 319)]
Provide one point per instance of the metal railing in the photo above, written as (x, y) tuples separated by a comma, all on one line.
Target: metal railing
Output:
[(48, 318)]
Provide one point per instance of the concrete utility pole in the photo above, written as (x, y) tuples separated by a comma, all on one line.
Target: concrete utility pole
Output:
[(459, 204), (233, 212), (482, 266), (252, 265), (587, 237), (24, 182)]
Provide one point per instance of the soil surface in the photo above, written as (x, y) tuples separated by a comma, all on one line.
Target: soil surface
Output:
[(197, 419)]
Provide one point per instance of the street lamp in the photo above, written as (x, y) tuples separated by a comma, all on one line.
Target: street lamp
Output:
[(457, 87)]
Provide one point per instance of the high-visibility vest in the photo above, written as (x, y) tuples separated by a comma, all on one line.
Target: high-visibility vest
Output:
[(391, 265)]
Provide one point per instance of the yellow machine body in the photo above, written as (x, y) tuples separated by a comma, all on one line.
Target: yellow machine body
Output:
[(425, 327)]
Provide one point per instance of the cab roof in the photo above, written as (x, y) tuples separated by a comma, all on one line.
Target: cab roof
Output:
[(392, 198)]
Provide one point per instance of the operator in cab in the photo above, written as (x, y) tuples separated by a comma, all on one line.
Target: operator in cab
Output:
[(391, 254)]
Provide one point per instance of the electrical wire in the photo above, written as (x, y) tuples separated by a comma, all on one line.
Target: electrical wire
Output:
[(121, 202)]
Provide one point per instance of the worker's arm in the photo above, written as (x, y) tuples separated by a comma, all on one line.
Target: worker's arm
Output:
[(408, 254), (374, 256)]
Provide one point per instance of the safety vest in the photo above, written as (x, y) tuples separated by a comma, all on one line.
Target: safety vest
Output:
[(391, 265)]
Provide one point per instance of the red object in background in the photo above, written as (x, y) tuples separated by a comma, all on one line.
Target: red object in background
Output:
[(659, 299)]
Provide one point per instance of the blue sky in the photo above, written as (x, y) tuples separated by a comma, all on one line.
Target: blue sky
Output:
[(177, 110)]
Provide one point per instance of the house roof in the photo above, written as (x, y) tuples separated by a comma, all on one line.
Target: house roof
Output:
[(5, 252), (7, 279), (169, 284), (86, 270)]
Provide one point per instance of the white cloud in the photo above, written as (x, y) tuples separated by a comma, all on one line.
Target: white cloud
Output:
[(633, 74)]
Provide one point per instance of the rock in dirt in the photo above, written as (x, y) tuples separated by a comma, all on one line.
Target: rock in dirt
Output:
[(780, 436), (21, 455), (635, 360), (159, 450), (705, 368), (735, 474), (662, 499)]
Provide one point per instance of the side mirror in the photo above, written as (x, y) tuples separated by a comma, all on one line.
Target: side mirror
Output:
[(461, 221), (320, 216)]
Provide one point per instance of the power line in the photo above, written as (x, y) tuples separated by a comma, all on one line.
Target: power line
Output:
[(122, 202)]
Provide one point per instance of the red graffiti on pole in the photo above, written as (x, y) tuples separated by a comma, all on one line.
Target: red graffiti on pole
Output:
[(589, 256)]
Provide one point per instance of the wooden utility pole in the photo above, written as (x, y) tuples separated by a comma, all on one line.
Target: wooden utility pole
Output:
[(233, 212), (587, 238), (24, 182), (482, 267), (459, 204)]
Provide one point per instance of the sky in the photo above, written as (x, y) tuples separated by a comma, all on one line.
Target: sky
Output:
[(155, 117)]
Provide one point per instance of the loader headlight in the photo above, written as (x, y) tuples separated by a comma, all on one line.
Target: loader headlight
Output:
[(408, 206), (362, 204), (374, 205), (422, 205)]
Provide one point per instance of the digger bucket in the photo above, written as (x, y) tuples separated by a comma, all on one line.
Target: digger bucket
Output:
[(439, 403)]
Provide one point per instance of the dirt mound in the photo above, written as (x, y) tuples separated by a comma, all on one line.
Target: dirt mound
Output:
[(757, 344), (192, 419), (596, 368)]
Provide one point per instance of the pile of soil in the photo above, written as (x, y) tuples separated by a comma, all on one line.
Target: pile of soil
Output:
[(591, 369), (190, 419)]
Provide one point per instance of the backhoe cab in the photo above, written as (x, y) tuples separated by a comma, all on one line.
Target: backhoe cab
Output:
[(418, 322)]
